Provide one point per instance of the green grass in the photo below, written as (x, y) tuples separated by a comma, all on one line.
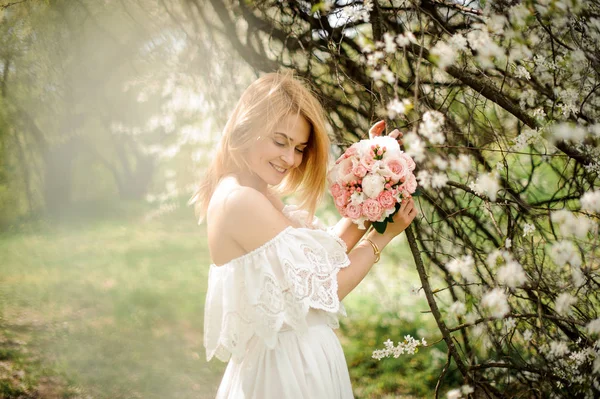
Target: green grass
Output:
[(113, 308)]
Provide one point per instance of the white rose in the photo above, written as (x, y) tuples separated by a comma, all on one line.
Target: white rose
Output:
[(357, 198), (372, 185)]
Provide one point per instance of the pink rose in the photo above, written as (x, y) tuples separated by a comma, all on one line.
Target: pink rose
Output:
[(351, 151), (372, 210), (409, 161), (398, 167), (367, 162), (341, 200), (386, 199), (345, 170), (346, 166), (359, 170), (353, 211), (336, 190), (411, 183)]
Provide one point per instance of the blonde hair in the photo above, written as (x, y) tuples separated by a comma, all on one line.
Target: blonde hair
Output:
[(262, 105)]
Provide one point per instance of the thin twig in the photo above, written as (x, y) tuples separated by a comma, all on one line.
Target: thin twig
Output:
[(5, 6)]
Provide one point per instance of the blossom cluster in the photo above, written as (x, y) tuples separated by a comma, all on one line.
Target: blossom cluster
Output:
[(409, 346), (370, 179)]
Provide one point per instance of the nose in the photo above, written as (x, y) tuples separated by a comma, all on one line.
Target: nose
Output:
[(288, 156)]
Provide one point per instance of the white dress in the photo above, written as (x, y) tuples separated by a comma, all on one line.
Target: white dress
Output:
[(271, 313)]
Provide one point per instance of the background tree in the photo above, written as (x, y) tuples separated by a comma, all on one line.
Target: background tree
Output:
[(102, 103), (500, 105)]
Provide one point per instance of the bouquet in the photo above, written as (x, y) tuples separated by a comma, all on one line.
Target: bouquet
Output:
[(370, 180)]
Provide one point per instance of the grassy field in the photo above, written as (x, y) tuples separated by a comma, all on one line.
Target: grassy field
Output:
[(112, 307)]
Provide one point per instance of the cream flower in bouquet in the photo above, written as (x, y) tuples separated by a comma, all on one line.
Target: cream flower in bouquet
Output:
[(370, 180)]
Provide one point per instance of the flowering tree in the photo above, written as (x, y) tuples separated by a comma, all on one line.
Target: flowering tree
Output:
[(499, 103), (76, 124)]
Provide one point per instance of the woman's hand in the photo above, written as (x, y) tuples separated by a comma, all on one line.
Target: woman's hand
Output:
[(379, 128), (402, 218)]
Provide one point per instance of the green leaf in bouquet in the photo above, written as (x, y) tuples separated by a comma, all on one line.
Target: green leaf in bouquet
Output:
[(380, 226)]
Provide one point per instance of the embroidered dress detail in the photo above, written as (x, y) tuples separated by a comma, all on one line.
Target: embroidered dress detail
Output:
[(273, 285), (271, 312)]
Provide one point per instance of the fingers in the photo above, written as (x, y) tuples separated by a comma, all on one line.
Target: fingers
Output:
[(377, 129), (397, 134), (408, 207)]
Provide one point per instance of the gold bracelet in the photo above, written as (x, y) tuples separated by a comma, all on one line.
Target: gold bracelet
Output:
[(375, 250)]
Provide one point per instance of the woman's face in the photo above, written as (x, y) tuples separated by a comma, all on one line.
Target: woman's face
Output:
[(276, 153)]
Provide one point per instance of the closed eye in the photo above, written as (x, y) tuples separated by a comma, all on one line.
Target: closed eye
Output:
[(278, 144)]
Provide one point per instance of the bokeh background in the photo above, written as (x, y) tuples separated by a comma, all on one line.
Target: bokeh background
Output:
[(108, 113)]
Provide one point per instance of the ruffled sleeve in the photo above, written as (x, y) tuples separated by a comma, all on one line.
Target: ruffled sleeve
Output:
[(271, 287)]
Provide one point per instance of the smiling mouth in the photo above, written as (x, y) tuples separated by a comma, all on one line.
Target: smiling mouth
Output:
[(278, 169)]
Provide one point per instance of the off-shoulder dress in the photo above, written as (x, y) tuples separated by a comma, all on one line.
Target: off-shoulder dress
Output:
[(271, 314)]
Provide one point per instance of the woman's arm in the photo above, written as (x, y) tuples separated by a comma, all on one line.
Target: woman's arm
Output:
[(349, 232)]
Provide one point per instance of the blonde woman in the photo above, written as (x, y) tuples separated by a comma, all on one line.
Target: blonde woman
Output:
[(278, 275)]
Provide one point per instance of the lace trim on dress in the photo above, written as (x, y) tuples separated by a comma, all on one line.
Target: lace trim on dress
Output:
[(273, 286), (301, 216)]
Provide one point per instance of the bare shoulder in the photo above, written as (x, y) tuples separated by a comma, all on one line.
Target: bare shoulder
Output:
[(250, 218)]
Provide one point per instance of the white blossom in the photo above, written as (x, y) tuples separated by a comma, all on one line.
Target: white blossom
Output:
[(577, 276), (539, 113), (424, 178), (357, 12), (527, 137), (461, 165), (563, 304), (569, 224), (486, 183), (404, 39), (558, 349), (457, 308), (527, 335), (440, 163), (409, 346), (518, 14), (563, 252), (496, 302), (497, 254), (390, 43), (521, 72), (415, 146), (512, 274), (528, 229), (397, 107), (438, 180), (593, 326), (431, 127), (454, 394), (568, 131), (590, 201), (487, 49), (467, 389), (458, 42), (462, 267), (446, 54)]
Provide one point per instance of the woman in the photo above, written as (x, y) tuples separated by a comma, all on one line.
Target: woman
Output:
[(278, 275)]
